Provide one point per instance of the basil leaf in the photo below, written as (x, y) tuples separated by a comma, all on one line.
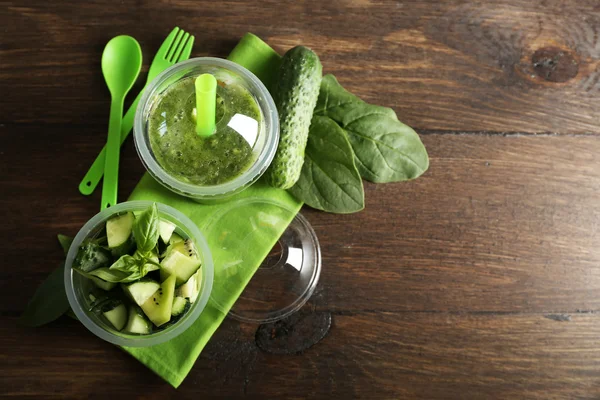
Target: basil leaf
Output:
[(145, 229), (151, 264), (386, 150), (49, 301), (146, 262), (147, 268), (106, 274), (65, 242), (126, 269), (329, 180), (127, 264)]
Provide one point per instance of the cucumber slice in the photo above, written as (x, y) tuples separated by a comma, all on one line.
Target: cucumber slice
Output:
[(125, 248), (158, 306), (91, 256), (179, 306), (137, 322), (175, 238), (117, 316), (118, 229), (179, 265), (191, 288), (166, 230), (101, 283), (140, 291)]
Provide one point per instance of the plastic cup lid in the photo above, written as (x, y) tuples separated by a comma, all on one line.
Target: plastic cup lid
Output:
[(257, 232)]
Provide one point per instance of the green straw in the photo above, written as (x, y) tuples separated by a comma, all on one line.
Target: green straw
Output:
[(206, 103)]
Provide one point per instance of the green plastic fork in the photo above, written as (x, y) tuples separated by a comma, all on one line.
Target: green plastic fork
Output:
[(176, 47)]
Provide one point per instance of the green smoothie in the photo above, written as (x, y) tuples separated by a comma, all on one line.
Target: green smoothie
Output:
[(204, 161)]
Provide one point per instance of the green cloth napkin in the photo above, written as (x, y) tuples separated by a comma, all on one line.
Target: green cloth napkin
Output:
[(253, 221)]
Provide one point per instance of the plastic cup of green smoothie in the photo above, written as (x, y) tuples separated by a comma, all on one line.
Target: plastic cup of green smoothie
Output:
[(228, 161)]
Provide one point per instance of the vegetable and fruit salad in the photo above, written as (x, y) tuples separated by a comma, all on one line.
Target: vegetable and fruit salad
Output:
[(145, 276)]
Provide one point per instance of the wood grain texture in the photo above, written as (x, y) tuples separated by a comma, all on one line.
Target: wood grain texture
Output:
[(454, 65), (478, 280), (366, 355)]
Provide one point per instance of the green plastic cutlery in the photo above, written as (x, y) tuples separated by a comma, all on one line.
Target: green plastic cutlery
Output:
[(176, 47), (121, 65)]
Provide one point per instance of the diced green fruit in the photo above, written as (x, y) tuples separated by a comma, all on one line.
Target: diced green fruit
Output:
[(91, 256), (179, 265), (191, 288), (117, 316), (103, 301), (125, 248), (166, 230), (140, 291), (179, 304), (180, 308), (295, 94), (118, 229), (185, 247), (158, 306), (137, 322), (175, 238), (102, 284), (164, 274)]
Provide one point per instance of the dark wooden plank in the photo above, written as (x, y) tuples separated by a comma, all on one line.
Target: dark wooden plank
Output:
[(513, 65), (479, 280), (442, 356), (496, 224), (365, 355)]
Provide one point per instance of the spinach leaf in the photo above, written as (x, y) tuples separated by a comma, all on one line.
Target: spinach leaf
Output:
[(145, 229), (386, 150), (329, 179), (65, 242), (49, 301), (71, 314)]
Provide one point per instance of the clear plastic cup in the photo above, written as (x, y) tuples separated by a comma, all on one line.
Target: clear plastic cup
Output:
[(78, 287), (263, 150)]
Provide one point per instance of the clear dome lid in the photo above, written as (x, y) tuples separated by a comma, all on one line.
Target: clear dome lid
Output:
[(266, 269)]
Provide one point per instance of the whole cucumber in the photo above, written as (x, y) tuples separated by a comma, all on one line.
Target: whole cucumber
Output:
[(295, 93)]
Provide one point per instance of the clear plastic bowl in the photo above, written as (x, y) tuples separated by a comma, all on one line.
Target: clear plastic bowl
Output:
[(77, 286), (263, 151)]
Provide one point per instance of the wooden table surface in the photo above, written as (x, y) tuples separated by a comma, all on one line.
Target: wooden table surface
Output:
[(481, 279)]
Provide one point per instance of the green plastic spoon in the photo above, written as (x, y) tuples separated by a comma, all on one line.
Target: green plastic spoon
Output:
[(121, 64)]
